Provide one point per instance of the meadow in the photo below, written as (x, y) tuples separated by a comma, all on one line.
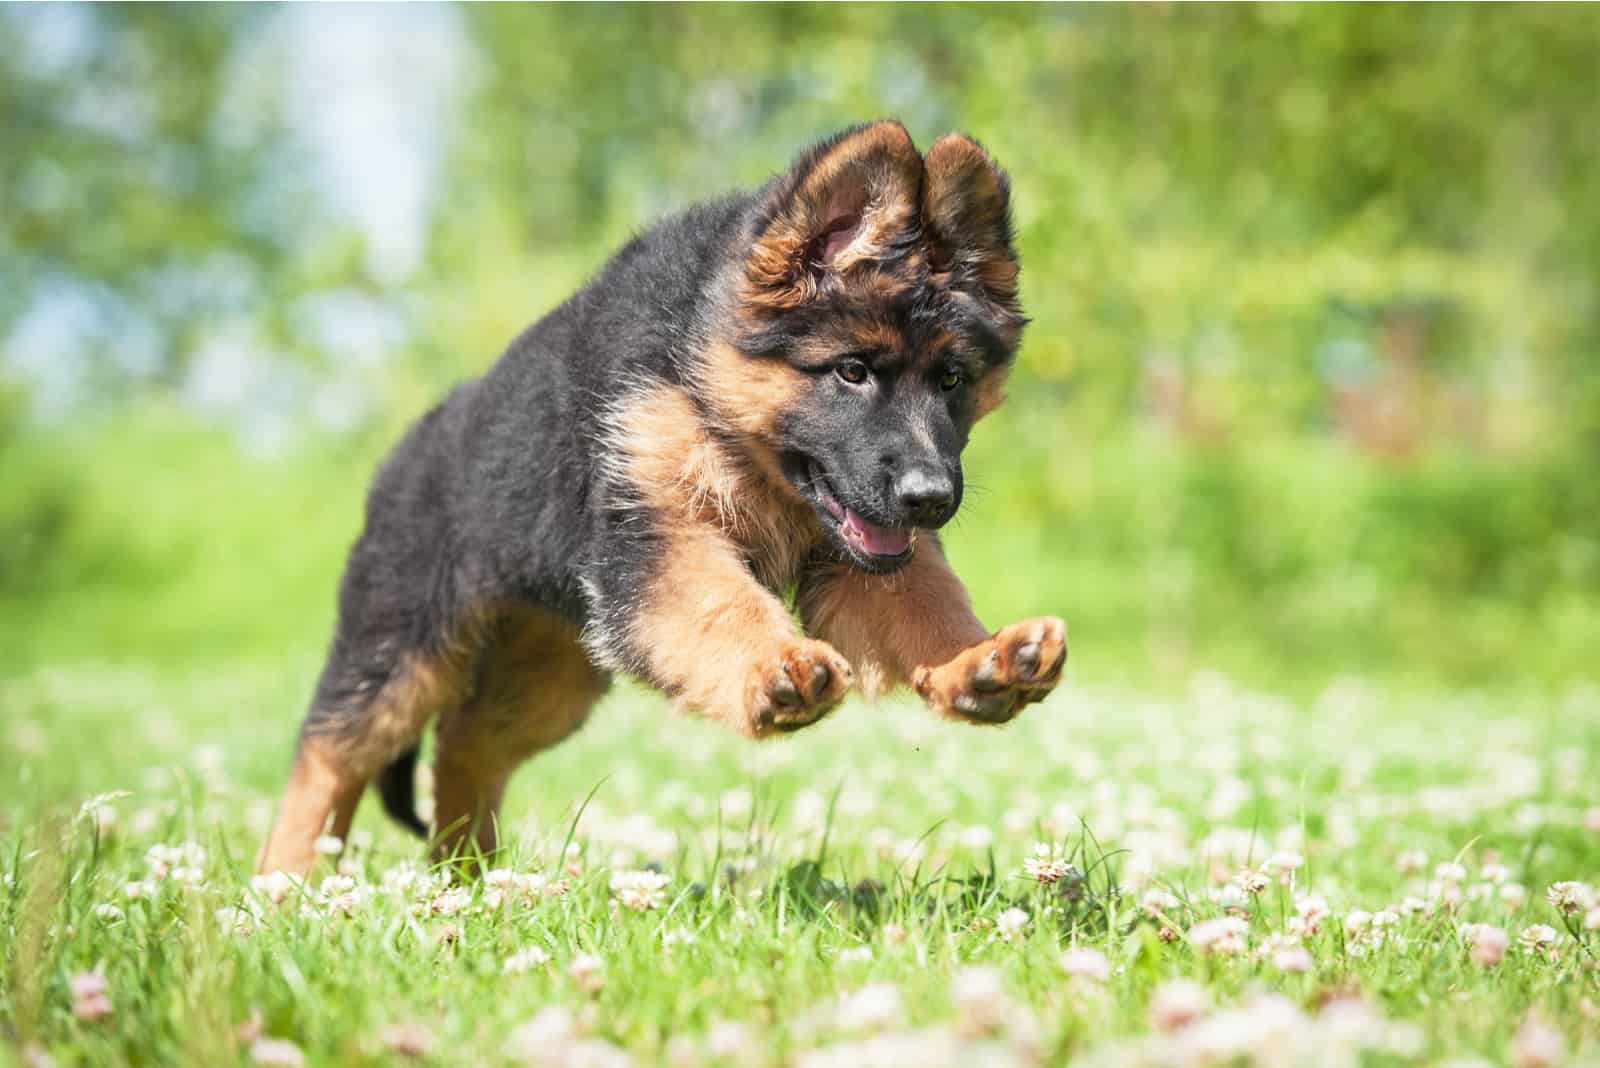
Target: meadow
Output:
[(1324, 866), (1217, 876)]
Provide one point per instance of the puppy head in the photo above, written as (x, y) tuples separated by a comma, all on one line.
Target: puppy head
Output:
[(874, 321)]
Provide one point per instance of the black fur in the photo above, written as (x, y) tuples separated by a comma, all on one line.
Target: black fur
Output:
[(397, 785), (502, 493)]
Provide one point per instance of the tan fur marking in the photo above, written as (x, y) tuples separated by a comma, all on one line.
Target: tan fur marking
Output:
[(874, 173), (889, 625), (996, 679), (689, 479), (991, 391), (535, 687), (332, 768), (918, 626), (420, 690), (320, 799), (748, 394), (716, 639)]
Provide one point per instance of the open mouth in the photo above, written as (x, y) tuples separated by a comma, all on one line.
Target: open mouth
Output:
[(871, 545)]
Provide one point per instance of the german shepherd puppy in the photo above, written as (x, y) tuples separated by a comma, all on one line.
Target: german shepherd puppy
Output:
[(766, 394)]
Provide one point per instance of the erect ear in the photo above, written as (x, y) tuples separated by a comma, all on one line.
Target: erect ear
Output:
[(849, 199), (966, 207)]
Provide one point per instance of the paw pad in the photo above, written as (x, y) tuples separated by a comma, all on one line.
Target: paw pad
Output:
[(996, 679)]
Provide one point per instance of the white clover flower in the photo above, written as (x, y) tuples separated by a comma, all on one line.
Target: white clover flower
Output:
[(1513, 895), (107, 912), (274, 885), (1494, 873), (1047, 864), (1224, 936), (548, 1031), (732, 1041), (1156, 901), (855, 955), (982, 1005), (736, 804), (1253, 882), (1177, 1003), (641, 891), (1086, 963), (1231, 896), (187, 876), (450, 901), (1283, 864), (525, 960), (588, 972), (1411, 862), (1294, 960), (1570, 897), (976, 837), (276, 1053), (1010, 923), (90, 1000), (1311, 908), (163, 858), (141, 889), (1450, 872), (875, 1007), (1537, 1044), (407, 880), (328, 845), (342, 894), (1488, 942), (409, 1039), (1539, 936)]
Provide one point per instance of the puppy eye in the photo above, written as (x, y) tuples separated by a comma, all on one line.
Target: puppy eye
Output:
[(952, 378), (852, 371)]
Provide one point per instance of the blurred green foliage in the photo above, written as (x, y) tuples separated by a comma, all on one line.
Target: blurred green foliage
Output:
[(1311, 387)]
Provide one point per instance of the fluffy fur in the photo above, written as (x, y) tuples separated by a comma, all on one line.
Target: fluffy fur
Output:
[(762, 397)]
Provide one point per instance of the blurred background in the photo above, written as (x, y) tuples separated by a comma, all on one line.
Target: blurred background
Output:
[(1312, 390)]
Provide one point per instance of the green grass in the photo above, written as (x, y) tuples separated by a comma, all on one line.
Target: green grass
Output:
[(834, 898)]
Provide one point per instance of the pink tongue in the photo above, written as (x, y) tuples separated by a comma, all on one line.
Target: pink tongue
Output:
[(879, 541)]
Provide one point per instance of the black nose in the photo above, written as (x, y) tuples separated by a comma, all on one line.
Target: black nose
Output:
[(925, 495)]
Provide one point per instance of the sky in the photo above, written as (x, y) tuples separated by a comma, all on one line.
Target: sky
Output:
[(368, 94)]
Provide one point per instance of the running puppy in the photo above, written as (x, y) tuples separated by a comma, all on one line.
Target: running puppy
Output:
[(767, 393)]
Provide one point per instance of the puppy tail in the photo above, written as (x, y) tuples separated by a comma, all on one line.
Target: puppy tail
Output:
[(397, 785)]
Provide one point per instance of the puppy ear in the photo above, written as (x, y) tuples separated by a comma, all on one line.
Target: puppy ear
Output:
[(966, 207), (851, 198)]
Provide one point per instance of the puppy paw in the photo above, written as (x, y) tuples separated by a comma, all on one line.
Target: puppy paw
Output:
[(996, 679), (796, 688)]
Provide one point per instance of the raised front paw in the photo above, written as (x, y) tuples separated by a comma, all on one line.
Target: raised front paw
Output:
[(994, 680), (797, 687)]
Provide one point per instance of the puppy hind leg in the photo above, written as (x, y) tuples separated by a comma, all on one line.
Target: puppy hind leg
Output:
[(347, 739), (536, 686)]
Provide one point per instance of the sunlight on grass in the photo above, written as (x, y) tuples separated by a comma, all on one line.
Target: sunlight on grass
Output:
[(1115, 878)]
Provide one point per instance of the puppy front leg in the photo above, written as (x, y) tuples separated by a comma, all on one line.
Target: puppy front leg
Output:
[(917, 626), (721, 644)]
